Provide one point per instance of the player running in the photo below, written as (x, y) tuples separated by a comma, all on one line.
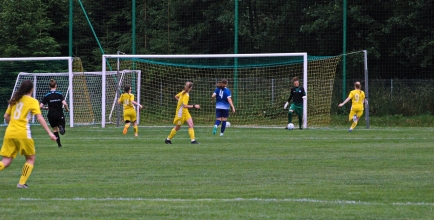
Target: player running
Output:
[(18, 137), (130, 116), (182, 115), (223, 105), (55, 102), (358, 98), (298, 93)]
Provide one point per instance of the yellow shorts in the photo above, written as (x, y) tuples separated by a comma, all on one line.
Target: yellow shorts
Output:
[(355, 111), (11, 146), (182, 119), (130, 115)]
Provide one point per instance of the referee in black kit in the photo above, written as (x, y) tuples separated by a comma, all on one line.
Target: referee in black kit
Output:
[(55, 102)]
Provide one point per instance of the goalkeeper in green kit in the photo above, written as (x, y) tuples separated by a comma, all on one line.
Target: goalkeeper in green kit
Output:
[(298, 93)]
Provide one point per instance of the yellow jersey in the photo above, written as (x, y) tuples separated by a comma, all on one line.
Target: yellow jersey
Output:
[(20, 114), (127, 100), (357, 97), (182, 100)]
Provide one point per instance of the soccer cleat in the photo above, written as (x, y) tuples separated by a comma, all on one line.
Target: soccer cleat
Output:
[(350, 130), (60, 146), (125, 130), (301, 128), (24, 186), (214, 130), (286, 127), (168, 141), (221, 134), (194, 142), (61, 130), (136, 135)]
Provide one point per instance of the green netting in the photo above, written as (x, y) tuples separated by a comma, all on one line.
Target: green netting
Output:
[(223, 63), (260, 87)]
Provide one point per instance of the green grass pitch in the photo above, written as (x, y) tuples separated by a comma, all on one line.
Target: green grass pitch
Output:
[(250, 173)]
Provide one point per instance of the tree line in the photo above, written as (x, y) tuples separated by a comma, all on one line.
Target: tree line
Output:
[(398, 34)]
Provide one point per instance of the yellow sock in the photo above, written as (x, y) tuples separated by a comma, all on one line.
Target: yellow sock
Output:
[(136, 129), (2, 166), (191, 133), (354, 125), (126, 128), (172, 134), (27, 170)]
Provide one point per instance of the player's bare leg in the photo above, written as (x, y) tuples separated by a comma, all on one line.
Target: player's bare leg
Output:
[(5, 162)]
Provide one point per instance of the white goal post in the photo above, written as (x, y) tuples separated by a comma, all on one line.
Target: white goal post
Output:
[(209, 56), (69, 61), (87, 89)]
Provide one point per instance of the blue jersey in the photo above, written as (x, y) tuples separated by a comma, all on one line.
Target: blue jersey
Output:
[(222, 96)]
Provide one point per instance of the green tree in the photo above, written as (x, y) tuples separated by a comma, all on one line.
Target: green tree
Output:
[(398, 34), (25, 27)]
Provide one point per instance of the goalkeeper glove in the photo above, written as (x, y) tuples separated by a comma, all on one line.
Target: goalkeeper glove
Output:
[(286, 105)]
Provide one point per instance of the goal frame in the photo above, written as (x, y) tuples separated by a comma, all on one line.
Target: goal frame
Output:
[(69, 92), (70, 76), (303, 54)]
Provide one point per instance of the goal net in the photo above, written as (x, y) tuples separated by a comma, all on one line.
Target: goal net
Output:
[(260, 85), (11, 67), (82, 90)]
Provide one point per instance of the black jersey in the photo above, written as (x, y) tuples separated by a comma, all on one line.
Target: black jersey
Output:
[(54, 100), (297, 93)]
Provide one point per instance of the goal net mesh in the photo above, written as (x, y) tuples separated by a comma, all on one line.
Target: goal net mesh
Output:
[(260, 87), (86, 90)]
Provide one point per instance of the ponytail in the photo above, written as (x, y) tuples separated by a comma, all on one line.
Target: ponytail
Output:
[(25, 88)]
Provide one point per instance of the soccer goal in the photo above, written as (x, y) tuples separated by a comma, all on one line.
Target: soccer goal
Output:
[(82, 90), (10, 69), (84, 94), (260, 85)]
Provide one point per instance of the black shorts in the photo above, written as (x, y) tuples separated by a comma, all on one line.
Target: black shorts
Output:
[(56, 119)]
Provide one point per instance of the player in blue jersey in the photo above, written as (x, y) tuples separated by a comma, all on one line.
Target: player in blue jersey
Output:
[(223, 105)]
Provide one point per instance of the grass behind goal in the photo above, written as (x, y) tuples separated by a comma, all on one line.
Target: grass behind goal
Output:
[(381, 173)]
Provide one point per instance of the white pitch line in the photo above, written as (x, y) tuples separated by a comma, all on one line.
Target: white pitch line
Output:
[(144, 136), (301, 200)]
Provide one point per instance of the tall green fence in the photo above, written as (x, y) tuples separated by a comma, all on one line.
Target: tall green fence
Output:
[(396, 34)]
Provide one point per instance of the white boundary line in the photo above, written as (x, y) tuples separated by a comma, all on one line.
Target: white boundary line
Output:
[(146, 136), (301, 200)]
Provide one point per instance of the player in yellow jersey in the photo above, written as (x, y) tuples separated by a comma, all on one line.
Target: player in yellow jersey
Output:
[(358, 99), (18, 137), (130, 116), (182, 115)]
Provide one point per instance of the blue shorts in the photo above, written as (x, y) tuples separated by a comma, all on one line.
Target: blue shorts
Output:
[(222, 113)]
